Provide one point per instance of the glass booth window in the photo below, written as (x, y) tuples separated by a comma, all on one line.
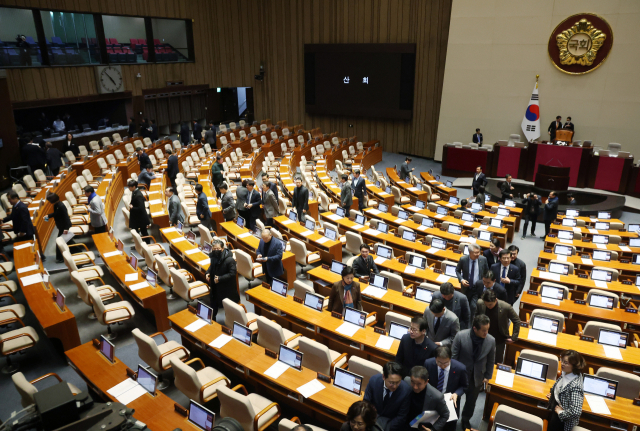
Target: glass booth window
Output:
[(126, 39), (170, 40), (18, 38), (71, 38)]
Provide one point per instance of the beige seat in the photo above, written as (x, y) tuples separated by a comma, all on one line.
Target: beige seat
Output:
[(189, 291), (397, 196), (108, 314), (253, 411), (151, 260), (397, 318), (288, 425), (545, 358), (548, 314), (12, 311), (159, 356), (164, 272), (27, 389), (628, 384), (271, 335), (16, 341), (364, 368), (614, 272), (83, 258), (32, 187), (106, 292), (246, 267), (303, 257), (202, 385), (6, 267), (301, 288), (569, 264), (614, 239), (238, 313), (395, 281), (205, 235), (85, 272), (354, 241), (616, 298), (320, 358), (592, 328), (514, 418)]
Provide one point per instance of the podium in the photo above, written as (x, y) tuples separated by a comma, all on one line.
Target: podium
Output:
[(552, 177), (564, 135)]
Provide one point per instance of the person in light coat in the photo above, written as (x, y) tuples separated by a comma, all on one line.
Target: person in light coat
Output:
[(269, 204), (96, 210)]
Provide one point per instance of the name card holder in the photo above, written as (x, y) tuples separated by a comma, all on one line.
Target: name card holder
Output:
[(298, 300), (542, 268), (587, 338), (380, 331), (191, 309), (457, 251), (132, 374), (266, 285), (407, 294), (631, 310), (524, 324), (437, 271), (336, 315), (503, 367), (551, 235), (324, 378), (181, 410), (325, 266), (583, 276), (636, 401), (585, 256), (586, 240), (271, 353), (580, 301), (627, 282), (624, 260), (96, 343), (532, 292), (548, 250), (226, 330)]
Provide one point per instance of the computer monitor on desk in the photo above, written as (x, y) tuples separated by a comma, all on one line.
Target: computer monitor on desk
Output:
[(348, 381), (201, 417), (397, 330)]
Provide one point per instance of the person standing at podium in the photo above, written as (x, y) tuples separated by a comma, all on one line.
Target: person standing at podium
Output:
[(569, 125), (550, 212), (477, 138), (554, 127)]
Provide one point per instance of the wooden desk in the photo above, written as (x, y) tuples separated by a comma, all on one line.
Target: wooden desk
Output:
[(444, 191), (588, 232), (152, 298), (101, 375), (379, 194), (331, 189), (249, 243), (578, 262), (407, 189), (328, 250), (511, 222), (56, 324), (369, 157), (590, 221), (624, 252), (529, 395), (198, 262)]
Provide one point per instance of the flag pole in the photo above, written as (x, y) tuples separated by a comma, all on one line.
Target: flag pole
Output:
[(537, 76)]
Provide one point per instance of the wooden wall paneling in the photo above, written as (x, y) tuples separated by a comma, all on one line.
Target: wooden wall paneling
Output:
[(174, 109), (162, 115), (185, 108), (150, 111)]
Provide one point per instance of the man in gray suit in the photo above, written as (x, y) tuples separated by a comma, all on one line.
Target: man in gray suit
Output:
[(346, 196), (269, 204), (443, 324), (469, 270), (456, 302), (174, 207), (241, 200), (425, 397), (476, 349)]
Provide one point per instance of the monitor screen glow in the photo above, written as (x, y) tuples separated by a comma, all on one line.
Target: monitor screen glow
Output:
[(241, 333), (354, 316)]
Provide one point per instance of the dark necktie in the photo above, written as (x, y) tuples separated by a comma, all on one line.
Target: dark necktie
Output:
[(504, 274), (436, 325), (385, 398), (471, 272), (441, 380)]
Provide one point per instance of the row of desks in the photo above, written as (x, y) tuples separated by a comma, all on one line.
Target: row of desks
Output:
[(586, 263)]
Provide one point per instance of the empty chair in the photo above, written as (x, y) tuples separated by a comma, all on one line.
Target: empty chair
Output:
[(395, 281), (592, 328), (508, 416), (189, 291), (85, 257), (201, 385), (159, 356), (354, 241), (364, 368), (548, 314), (27, 389), (303, 257), (397, 318), (397, 196), (253, 411), (616, 298), (94, 145), (108, 314), (106, 292), (238, 313), (320, 358), (301, 288), (137, 243), (569, 264), (16, 341), (83, 150), (247, 267), (271, 335), (86, 272), (119, 155), (628, 384), (545, 358)]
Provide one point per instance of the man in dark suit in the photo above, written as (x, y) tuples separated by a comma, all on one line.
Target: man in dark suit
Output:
[(508, 275), (144, 129), (346, 195), (22, 225), (172, 167), (34, 156), (253, 205), (359, 187), (531, 209), (202, 208), (389, 394), (210, 136), (502, 316), (506, 188), (425, 397), (477, 137), (54, 159), (554, 127), (241, 199), (479, 179), (469, 270), (448, 376), (443, 324), (404, 169), (492, 254), (522, 267), (143, 158), (568, 124), (550, 212), (456, 302), (217, 176), (364, 265), (197, 131), (185, 134), (63, 222), (488, 282), (133, 128), (300, 199), (269, 254), (272, 186), (414, 347), (154, 131), (475, 348)]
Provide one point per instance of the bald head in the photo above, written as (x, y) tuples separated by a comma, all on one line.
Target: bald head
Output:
[(266, 235)]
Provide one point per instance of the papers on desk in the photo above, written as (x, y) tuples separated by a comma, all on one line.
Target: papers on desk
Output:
[(131, 277), (542, 337), (372, 232), (422, 228), (433, 250), (622, 247), (276, 370), (550, 301), (401, 182), (244, 235), (593, 220), (306, 233), (566, 241), (374, 211), (357, 226), (31, 279), (220, 341), (286, 222), (155, 201), (399, 221), (577, 230), (21, 246), (601, 246), (413, 189), (433, 181), (468, 223), (311, 388), (193, 327), (322, 240), (467, 239), (586, 261), (139, 285), (127, 391), (504, 378), (414, 209), (191, 251), (438, 216), (499, 217), (612, 352), (384, 342), (594, 231), (443, 278), (113, 253), (549, 276), (483, 227), (374, 291), (157, 214), (347, 329), (597, 404), (204, 262), (28, 268), (180, 238), (379, 260), (561, 258), (333, 217), (168, 230), (453, 415), (410, 269)]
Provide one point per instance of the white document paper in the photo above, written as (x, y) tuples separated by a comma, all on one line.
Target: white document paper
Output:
[(131, 277), (276, 370), (384, 342), (155, 201), (122, 387), (422, 228), (414, 209), (467, 239), (322, 240), (306, 233), (193, 327), (576, 230), (286, 222), (612, 352), (131, 395), (499, 217), (28, 268), (586, 261), (139, 285), (333, 217), (204, 262), (601, 246), (561, 258), (191, 251), (244, 235), (410, 269), (483, 227), (372, 232), (374, 211), (549, 276), (593, 220), (399, 221), (220, 341), (21, 246), (453, 415), (597, 404), (347, 329), (550, 301), (566, 241), (157, 214), (180, 238), (31, 279), (594, 231), (413, 189), (622, 247), (113, 253), (433, 250), (170, 229), (379, 260), (438, 216), (374, 291), (601, 284), (542, 337), (442, 278), (504, 378), (311, 388), (468, 223)]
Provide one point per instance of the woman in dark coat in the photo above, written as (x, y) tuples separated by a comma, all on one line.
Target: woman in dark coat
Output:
[(345, 293), (71, 145), (62, 220), (138, 217), (221, 276)]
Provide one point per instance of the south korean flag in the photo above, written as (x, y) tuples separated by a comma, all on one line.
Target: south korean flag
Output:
[(531, 120)]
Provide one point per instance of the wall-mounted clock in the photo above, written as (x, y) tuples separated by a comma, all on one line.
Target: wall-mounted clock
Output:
[(109, 79)]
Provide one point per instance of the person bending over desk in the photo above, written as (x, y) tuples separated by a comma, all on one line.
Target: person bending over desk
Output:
[(269, 253)]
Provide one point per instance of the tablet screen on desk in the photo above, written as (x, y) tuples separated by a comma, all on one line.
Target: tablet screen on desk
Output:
[(242, 333), (601, 301), (206, 248), (314, 301), (133, 261), (354, 316), (409, 235), (476, 206), (454, 229), (340, 212), (604, 215), (421, 204), (500, 427), (107, 349), (600, 239), (348, 381), (600, 386), (201, 417), (310, 224), (293, 216), (417, 261), (330, 233), (292, 358), (485, 235), (360, 219), (532, 369), (450, 270), (240, 221), (510, 203), (467, 217), (449, 184), (179, 226), (552, 292), (397, 331), (204, 312), (545, 324), (423, 294), (337, 267), (147, 379), (600, 275), (191, 237), (382, 227), (602, 255), (559, 268), (634, 227), (383, 207), (613, 338), (402, 214), (60, 299), (279, 287), (503, 212), (387, 190), (438, 243), (563, 250), (571, 222), (441, 210), (453, 200), (635, 259), (487, 198), (602, 225), (565, 234), (379, 281), (634, 242), (383, 251), (495, 222), (572, 212), (427, 222), (151, 277)]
